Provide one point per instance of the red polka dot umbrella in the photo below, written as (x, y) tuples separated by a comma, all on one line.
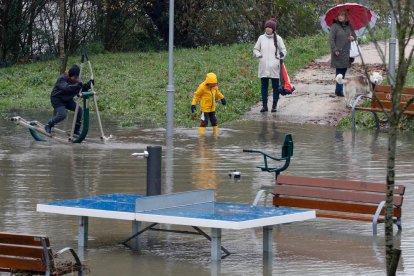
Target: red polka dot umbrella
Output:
[(361, 17)]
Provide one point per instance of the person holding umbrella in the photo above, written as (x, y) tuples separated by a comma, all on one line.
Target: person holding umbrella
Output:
[(340, 37)]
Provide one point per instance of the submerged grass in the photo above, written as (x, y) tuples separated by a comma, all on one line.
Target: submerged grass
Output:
[(132, 86)]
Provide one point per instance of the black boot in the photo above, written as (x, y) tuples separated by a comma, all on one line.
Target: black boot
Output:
[(48, 127), (274, 106), (264, 108), (76, 130), (339, 94)]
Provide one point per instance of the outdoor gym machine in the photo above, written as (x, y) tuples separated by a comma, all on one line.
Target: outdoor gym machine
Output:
[(38, 132)]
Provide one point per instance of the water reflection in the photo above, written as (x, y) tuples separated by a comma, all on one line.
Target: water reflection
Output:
[(33, 172), (203, 172)]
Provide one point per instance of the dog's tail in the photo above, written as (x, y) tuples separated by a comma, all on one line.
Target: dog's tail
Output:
[(339, 79)]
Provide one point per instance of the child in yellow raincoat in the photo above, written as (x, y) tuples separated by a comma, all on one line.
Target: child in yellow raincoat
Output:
[(207, 93)]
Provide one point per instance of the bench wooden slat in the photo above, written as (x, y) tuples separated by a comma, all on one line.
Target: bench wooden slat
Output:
[(27, 253), (383, 100), (21, 264), (330, 205), (332, 194), (335, 198), (337, 184), (410, 113), (387, 89), (21, 251), (386, 97), (353, 216), (388, 105), (23, 239)]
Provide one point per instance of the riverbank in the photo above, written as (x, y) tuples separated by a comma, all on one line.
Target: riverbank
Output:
[(311, 102)]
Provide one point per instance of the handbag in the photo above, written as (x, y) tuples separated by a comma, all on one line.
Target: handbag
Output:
[(285, 87), (355, 49)]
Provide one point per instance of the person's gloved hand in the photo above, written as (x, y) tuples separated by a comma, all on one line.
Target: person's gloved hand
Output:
[(87, 86), (79, 89), (193, 108), (223, 101)]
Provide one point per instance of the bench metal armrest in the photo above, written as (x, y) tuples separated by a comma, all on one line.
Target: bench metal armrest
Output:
[(265, 155), (75, 256), (354, 105), (259, 195), (265, 160), (376, 216)]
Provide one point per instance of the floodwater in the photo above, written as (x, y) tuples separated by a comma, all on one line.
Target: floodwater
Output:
[(37, 172)]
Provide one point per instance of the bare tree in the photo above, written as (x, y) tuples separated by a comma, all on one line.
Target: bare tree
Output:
[(61, 39), (402, 13)]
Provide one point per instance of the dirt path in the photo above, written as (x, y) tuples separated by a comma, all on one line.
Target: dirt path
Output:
[(311, 103)]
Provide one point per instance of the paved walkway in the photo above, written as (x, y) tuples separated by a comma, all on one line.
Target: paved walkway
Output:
[(311, 103)]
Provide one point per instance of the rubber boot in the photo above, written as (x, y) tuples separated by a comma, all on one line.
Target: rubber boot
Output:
[(274, 105), (201, 130), (215, 130)]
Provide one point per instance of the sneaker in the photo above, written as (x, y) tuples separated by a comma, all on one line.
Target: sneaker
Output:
[(273, 109), (264, 109), (48, 129)]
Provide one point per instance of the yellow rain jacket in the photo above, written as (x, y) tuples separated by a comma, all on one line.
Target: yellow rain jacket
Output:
[(206, 95)]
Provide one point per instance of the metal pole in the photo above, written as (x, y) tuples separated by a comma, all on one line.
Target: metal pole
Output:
[(393, 43), (169, 166), (170, 86), (154, 170)]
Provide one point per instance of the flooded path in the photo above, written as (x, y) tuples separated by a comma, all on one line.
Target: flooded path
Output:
[(34, 172)]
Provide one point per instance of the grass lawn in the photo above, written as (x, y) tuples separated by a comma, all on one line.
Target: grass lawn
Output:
[(132, 86)]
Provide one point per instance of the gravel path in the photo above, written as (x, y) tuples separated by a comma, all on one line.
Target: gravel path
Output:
[(311, 103)]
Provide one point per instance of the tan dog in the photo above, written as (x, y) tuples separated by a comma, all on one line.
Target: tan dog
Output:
[(358, 85)]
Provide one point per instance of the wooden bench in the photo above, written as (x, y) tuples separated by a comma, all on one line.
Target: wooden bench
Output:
[(286, 155), (382, 100), (340, 199), (31, 254)]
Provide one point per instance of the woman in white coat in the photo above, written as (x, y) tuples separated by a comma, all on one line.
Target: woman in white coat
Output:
[(269, 49)]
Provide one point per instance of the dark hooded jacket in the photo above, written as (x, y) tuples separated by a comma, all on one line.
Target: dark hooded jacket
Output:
[(64, 91), (338, 39)]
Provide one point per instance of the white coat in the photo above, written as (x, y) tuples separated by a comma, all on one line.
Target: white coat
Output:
[(269, 65)]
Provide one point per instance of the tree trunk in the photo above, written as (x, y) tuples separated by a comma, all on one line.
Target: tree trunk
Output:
[(157, 10), (100, 20), (389, 208), (62, 53)]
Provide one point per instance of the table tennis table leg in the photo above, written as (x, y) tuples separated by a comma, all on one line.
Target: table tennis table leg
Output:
[(267, 240), (136, 227), (83, 232), (215, 244)]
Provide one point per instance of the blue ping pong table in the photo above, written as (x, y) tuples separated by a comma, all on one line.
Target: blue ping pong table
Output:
[(194, 208)]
